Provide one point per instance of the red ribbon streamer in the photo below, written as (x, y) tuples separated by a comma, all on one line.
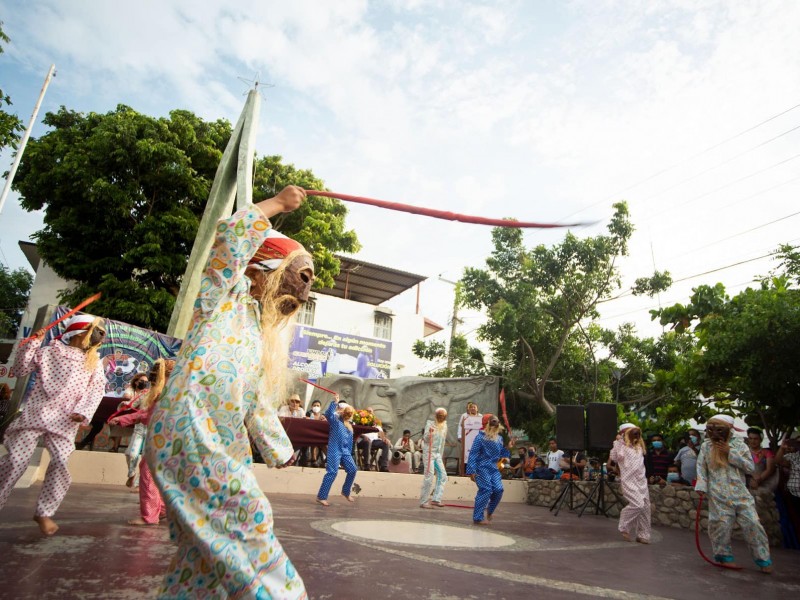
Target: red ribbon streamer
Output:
[(697, 540), (83, 304), (442, 214), (319, 387), (503, 408)]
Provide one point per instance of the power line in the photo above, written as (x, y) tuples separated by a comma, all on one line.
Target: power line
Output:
[(679, 163)]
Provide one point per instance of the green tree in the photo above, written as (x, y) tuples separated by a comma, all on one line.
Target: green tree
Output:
[(746, 354), (15, 286), (538, 301), (10, 125), (467, 361), (123, 194)]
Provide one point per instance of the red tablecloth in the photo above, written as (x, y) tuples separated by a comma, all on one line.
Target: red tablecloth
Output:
[(310, 432)]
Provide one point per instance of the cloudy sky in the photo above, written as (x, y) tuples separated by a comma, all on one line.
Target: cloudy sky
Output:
[(544, 111)]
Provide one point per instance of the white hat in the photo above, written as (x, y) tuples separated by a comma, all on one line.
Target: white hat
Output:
[(725, 419), (77, 325), (626, 426)]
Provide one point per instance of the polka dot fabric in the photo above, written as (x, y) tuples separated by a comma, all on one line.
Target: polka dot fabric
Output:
[(198, 447)]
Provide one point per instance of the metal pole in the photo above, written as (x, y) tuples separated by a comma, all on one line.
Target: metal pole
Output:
[(453, 323), (50, 74)]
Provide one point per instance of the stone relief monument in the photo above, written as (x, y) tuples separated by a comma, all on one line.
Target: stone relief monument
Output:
[(407, 402)]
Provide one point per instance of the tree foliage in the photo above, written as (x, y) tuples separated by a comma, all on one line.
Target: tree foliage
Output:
[(538, 303), (466, 360), (10, 125), (15, 286), (746, 354), (123, 194)]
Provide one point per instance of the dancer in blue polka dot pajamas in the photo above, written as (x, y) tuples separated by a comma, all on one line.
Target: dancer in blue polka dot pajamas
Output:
[(340, 450), (482, 468)]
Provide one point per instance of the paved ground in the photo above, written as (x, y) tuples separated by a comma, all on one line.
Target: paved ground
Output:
[(526, 553)]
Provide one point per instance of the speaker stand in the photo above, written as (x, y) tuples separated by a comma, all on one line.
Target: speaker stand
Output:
[(599, 489), (567, 492)]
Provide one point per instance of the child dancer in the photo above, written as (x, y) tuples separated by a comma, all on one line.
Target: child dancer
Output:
[(230, 368), (628, 452), (151, 505), (723, 462), (435, 437), (340, 450), (69, 387), (482, 468)]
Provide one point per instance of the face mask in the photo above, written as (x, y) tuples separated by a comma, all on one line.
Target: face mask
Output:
[(673, 477), (315, 409), (342, 404), (658, 445), (694, 439), (530, 452), (141, 384)]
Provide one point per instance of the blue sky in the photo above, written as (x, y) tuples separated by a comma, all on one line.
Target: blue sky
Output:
[(542, 111)]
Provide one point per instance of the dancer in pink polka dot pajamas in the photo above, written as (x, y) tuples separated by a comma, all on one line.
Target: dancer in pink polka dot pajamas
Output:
[(69, 386), (628, 453)]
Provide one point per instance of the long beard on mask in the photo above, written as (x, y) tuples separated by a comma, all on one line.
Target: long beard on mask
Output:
[(492, 431)]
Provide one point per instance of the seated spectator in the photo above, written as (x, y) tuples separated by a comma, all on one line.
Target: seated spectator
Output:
[(554, 457), (315, 412), (686, 458), (518, 463), (788, 456), (765, 476), (314, 456), (674, 476), (292, 408), (530, 462), (657, 460), (408, 448), (577, 463), (376, 440), (540, 471)]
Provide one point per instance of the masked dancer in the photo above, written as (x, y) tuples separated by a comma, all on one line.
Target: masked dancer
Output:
[(482, 468), (628, 452), (722, 464), (433, 460), (229, 372), (340, 451), (69, 387)]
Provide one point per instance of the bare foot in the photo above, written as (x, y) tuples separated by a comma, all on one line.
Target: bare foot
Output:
[(139, 521), (437, 504), (488, 517), (642, 540), (47, 525), (425, 505), (767, 570), (323, 502), (484, 523), (129, 483), (348, 498), (135, 490), (626, 536)]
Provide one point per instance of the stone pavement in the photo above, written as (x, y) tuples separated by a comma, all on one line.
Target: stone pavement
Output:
[(354, 552)]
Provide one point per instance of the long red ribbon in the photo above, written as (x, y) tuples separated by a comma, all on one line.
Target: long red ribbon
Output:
[(697, 540), (319, 387), (503, 408), (442, 214), (83, 304)]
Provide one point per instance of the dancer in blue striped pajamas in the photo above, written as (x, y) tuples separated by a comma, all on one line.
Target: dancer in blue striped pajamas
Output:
[(482, 468), (340, 450)]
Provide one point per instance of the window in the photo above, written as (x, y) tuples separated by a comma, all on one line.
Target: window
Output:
[(383, 326), (305, 316)]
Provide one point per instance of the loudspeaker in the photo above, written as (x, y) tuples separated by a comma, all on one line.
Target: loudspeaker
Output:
[(601, 425), (569, 427)]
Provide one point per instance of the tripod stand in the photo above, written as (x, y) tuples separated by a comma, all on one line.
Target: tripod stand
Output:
[(567, 491), (599, 489)]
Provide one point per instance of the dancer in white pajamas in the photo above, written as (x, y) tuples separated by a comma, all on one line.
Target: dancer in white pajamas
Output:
[(432, 460), (69, 387), (628, 452)]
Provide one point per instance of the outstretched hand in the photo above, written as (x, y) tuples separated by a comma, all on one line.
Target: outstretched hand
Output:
[(78, 418)]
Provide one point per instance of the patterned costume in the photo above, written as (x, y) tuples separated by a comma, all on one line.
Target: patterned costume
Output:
[(198, 448), (483, 463), (340, 452), (730, 501), (432, 459), (63, 386), (635, 517)]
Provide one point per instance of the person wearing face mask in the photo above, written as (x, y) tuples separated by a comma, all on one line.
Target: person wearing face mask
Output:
[(139, 388), (487, 450), (435, 436), (686, 458), (657, 460), (628, 452), (69, 387), (316, 454)]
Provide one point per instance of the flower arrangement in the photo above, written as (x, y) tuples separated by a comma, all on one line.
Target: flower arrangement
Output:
[(363, 417)]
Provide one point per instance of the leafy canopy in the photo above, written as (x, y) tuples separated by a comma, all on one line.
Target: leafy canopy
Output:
[(10, 125), (123, 194), (15, 286)]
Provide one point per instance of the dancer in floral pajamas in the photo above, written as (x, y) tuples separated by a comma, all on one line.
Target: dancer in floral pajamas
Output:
[(722, 464), (433, 461), (69, 387), (486, 451), (628, 452), (151, 506), (227, 377), (340, 450)]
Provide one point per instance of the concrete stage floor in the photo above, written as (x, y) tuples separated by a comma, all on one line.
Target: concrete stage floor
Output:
[(525, 553)]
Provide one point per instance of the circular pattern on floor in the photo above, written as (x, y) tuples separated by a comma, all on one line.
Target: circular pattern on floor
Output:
[(422, 534)]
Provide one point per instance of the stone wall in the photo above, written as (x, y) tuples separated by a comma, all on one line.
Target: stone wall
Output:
[(671, 506)]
